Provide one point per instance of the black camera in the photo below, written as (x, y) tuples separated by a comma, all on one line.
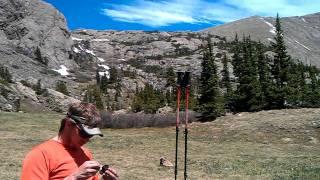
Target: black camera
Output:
[(103, 169)]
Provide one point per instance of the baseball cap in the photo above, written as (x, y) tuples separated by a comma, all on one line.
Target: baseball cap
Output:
[(82, 122)]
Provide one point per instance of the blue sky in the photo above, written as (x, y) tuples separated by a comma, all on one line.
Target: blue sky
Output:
[(173, 15)]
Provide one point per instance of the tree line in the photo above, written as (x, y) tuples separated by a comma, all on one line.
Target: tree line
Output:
[(261, 82)]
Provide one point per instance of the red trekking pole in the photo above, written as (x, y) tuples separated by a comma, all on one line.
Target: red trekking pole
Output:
[(177, 130), (186, 131), (183, 83)]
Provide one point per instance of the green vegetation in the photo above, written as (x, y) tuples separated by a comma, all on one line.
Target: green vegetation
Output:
[(210, 101), (62, 87), (93, 95), (5, 76), (39, 57), (261, 82), (264, 145), (148, 100)]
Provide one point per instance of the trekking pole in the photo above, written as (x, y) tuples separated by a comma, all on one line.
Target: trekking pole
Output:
[(187, 92), (177, 126), (186, 133)]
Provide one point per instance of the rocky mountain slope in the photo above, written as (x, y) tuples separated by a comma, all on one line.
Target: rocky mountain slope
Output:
[(34, 43), (302, 34), (138, 51)]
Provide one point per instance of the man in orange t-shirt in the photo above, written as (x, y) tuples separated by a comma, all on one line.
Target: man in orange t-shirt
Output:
[(64, 157)]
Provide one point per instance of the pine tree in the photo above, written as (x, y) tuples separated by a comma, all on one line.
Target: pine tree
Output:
[(170, 76), (38, 87), (118, 90), (236, 58), (93, 95), (148, 100), (248, 94), (210, 99), (264, 76), (113, 75), (226, 84), (5, 74), (104, 84), (62, 87), (98, 77), (281, 67), (171, 84), (312, 97)]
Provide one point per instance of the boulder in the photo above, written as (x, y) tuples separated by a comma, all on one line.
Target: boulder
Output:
[(164, 162), (165, 110)]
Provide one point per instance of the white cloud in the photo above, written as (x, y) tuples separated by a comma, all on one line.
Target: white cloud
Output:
[(283, 7), (153, 14), (168, 12)]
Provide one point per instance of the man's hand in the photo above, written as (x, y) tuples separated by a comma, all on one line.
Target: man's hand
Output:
[(110, 174), (86, 170)]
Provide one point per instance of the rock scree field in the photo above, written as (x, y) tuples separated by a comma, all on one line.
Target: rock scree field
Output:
[(276, 144)]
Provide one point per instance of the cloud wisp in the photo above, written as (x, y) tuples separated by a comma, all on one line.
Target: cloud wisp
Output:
[(169, 12)]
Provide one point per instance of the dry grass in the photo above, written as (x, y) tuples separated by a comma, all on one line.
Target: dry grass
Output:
[(265, 145)]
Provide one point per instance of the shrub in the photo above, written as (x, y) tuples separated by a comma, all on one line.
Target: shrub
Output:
[(139, 120), (62, 87)]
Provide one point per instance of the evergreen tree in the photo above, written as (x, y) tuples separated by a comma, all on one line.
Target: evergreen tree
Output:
[(93, 95), (113, 75), (148, 100), (5, 74), (171, 84), (62, 87), (280, 67), (98, 77), (248, 94), (264, 76), (170, 76), (210, 99), (118, 90), (104, 84), (38, 89), (296, 88), (236, 58), (226, 84), (312, 96)]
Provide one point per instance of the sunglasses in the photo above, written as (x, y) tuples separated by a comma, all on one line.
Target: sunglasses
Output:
[(79, 121), (83, 134)]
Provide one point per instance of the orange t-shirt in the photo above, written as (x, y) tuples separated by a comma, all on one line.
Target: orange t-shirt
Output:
[(51, 160)]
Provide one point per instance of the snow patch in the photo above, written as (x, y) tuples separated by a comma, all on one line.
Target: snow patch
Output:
[(121, 59), (62, 71), (76, 39), (101, 59), (303, 20), (81, 48), (90, 52), (100, 40), (76, 50), (273, 29), (104, 66), (105, 73), (302, 45)]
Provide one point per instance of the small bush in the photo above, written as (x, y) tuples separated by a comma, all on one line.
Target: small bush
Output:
[(61, 86), (139, 120)]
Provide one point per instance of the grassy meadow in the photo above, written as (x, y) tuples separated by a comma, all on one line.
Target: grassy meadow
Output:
[(264, 145)]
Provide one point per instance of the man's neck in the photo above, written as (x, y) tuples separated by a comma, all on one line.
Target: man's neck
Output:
[(64, 140)]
